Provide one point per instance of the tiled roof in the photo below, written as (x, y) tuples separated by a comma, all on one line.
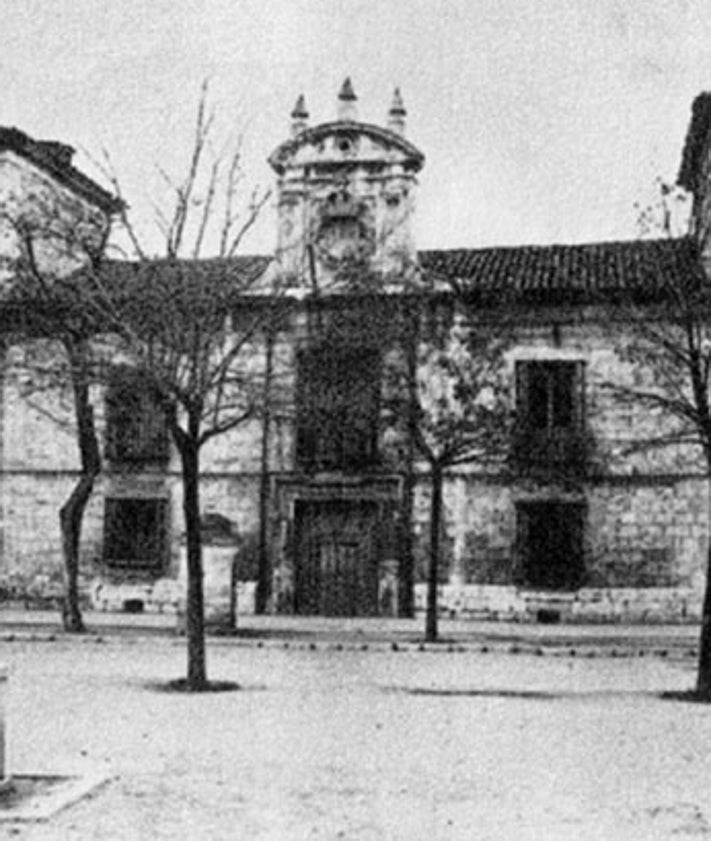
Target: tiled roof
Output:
[(243, 269), (556, 274), (696, 139), (56, 159), (567, 273)]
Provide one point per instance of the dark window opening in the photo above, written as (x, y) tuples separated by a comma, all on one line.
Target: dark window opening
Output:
[(548, 393), (550, 545), (338, 406), (136, 429), (550, 417), (135, 534)]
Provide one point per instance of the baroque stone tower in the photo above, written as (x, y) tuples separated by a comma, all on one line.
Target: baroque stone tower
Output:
[(346, 199)]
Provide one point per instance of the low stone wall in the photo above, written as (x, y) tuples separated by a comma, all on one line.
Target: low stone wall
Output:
[(612, 604)]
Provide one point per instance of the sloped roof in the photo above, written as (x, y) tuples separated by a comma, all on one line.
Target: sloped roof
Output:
[(697, 137), (535, 274), (568, 273), (242, 270), (56, 159)]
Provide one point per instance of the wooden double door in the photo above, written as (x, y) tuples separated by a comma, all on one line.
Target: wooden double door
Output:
[(336, 560)]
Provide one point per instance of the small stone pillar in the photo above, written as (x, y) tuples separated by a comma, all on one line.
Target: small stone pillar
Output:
[(4, 779), (220, 544)]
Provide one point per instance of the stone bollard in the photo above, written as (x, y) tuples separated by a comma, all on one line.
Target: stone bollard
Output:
[(4, 779)]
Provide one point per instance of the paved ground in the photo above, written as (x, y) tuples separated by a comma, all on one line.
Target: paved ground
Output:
[(329, 740)]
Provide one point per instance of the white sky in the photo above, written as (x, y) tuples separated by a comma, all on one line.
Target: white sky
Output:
[(541, 120)]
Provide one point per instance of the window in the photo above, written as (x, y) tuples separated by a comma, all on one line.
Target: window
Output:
[(338, 405), (550, 425), (549, 394), (135, 534), (136, 430), (550, 545)]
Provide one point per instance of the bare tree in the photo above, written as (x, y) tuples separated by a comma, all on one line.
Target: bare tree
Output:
[(457, 405), (668, 345), (189, 329), (55, 239), (192, 330), (193, 340)]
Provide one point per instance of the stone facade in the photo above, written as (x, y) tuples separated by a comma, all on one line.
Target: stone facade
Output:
[(632, 528)]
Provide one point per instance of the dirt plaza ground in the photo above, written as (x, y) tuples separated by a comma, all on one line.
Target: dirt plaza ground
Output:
[(354, 732)]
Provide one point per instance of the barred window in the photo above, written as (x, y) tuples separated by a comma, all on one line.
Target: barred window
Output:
[(135, 533), (136, 429)]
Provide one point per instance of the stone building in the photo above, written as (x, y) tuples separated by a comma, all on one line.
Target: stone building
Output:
[(324, 500)]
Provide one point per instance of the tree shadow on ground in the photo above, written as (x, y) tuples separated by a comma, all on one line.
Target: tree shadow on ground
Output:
[(485, 693), (181, 686), (691, 696), (543, 695)]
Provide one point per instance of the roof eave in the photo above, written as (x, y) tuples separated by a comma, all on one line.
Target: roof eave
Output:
[(59, 167)]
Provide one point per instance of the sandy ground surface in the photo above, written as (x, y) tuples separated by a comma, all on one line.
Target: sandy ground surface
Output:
[(360, 744)]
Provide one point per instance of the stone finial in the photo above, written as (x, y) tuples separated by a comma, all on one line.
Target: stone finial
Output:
[(397, 113), (299, 116), (347, 102)]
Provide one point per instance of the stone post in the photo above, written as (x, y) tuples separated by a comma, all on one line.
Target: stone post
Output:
[(4, 779)]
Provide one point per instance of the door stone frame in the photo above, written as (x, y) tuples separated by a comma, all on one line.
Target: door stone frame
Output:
[(385, 491)]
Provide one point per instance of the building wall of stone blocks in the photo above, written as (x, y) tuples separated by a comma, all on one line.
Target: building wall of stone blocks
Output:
[(39, 431), (586, 605), (647, 536), (30, 513), (235, 497), (478, 528), (645, 548), (31, 195), (595, 339), (648, 532)]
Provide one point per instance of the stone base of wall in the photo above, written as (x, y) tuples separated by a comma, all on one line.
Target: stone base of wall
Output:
[(614, 604), (465, 601), (166, 595), (160, 596)]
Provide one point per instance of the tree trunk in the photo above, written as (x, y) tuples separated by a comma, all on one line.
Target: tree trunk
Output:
[(195, 607), (406, 577), (263, 590), (431, 633), (703, 679), (406, 571), (71, 514)]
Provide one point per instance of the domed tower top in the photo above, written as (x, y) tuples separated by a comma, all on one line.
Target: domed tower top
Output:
[(346, 193)]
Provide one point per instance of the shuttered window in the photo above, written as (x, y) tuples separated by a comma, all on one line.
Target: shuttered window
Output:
[(550, 394), (338, 404), (550, 434)]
